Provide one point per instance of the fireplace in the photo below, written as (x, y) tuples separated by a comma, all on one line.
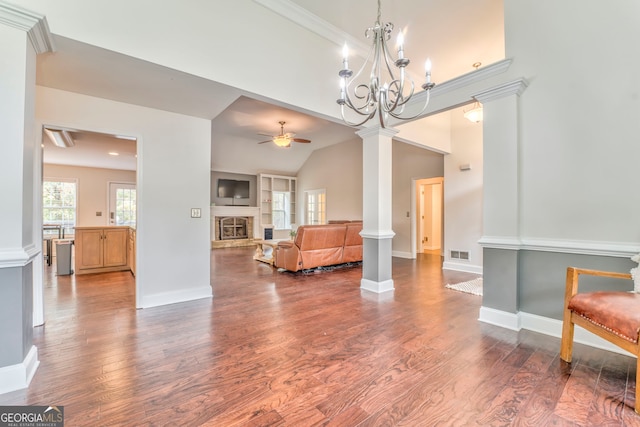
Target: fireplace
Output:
[(237, 232), (233, 227)]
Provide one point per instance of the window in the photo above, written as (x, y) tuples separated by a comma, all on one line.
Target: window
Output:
[(281, 210), (316, 206), (59, 204), (125, 206)]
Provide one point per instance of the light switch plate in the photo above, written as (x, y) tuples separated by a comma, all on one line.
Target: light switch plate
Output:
[(195, 213)]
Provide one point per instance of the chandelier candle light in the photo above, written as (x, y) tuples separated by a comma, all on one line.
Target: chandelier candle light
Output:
[(384, 94)]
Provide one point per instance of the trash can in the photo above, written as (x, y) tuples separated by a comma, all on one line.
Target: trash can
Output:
[(63, 257)]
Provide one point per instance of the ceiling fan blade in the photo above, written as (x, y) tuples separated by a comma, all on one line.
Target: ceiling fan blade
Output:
[(264, 142), (304, 141), (265, 134)]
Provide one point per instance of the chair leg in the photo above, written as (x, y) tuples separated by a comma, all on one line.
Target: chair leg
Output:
[(637, 384), (566, 344)]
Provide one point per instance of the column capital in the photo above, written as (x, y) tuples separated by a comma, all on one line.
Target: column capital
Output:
[(377, 130), (515, 87), (34, 24)]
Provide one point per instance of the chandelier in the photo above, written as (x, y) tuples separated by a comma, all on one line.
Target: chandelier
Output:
[(386, 94)]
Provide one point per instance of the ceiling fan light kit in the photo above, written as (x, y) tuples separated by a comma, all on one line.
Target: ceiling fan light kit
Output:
[(283, 140), (385, 94)]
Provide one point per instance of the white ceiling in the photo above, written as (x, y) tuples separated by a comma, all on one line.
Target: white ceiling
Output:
[(460, 33)]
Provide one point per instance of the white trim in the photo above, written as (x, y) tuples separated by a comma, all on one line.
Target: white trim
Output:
[(377, 234), (19, 376), (34, 24), (580, 247), (471, 77), (544, 325), (467, 268), (514, 87), (314, 23), (500, 318), (18, 257), (376, 287), (148, 301), (494, 242), (401, 254)]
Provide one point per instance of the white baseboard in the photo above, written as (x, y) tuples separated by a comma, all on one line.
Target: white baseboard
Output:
[(544, 325), (377, 287), (457, 266), (500, 318), (17, 377), (399, 254), (166, 298)]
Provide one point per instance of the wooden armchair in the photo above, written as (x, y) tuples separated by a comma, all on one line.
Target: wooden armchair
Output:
[(612, 315)]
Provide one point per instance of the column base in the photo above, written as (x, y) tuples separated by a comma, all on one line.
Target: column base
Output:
[(17, 377), (377, 287)]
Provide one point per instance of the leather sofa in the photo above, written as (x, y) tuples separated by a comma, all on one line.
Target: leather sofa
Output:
[(320, 246)]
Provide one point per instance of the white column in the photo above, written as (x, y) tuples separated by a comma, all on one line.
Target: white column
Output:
[(376, 232), (23, 35), (502, 205)]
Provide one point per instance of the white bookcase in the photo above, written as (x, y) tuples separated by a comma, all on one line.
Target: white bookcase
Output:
[(267, 184)]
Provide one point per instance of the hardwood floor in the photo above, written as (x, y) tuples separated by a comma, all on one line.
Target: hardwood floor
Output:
[(292, 349)]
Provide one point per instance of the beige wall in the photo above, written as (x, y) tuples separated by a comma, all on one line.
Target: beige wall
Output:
[(409, 163), (337, 169), (93, 188)]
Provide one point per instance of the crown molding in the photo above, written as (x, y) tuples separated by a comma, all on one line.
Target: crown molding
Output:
[(34, 24), (472, 77), (314, 23)]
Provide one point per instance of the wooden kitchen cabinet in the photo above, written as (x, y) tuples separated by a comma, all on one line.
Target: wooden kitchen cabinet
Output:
[(132, 251), (101, 249)]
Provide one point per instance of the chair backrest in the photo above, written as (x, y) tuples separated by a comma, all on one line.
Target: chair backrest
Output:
[(311, 237)]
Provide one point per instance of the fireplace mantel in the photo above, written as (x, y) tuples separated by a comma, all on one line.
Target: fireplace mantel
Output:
[(227, 211)]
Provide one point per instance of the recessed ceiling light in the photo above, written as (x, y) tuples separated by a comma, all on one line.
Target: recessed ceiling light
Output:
[(113, 153)]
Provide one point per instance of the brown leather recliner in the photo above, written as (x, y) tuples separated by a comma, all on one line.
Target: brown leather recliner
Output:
[(318, 246), (352, 243)]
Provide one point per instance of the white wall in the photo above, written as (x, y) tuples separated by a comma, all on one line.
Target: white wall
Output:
[(173, 176), (463, 194), (337, 169), (236, 43), (579, 118), (92, 190)]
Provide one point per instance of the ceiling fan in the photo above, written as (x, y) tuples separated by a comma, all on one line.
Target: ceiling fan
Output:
[(283, 139)]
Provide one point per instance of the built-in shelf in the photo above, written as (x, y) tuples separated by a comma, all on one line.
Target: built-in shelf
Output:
[(268, 184)]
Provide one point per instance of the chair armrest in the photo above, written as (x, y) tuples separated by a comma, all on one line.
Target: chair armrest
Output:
[(286, 244), (573, 274)]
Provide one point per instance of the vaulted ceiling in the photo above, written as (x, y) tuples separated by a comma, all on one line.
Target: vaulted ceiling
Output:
[(453, 33)]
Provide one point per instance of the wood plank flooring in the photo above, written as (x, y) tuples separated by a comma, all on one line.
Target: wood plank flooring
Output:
[(282, 349)]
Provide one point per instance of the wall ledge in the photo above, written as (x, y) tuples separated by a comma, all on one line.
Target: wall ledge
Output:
[(580, 247)]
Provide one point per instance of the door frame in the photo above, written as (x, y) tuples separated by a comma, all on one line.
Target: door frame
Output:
[(415, 229)]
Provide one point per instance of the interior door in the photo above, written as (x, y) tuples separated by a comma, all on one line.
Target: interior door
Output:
[(122, 204)]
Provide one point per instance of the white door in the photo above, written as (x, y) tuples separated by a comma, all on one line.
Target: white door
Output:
[(122, 204), (315, 207)]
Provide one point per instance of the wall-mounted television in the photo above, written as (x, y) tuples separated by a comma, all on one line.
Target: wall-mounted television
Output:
[(231, 188)]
